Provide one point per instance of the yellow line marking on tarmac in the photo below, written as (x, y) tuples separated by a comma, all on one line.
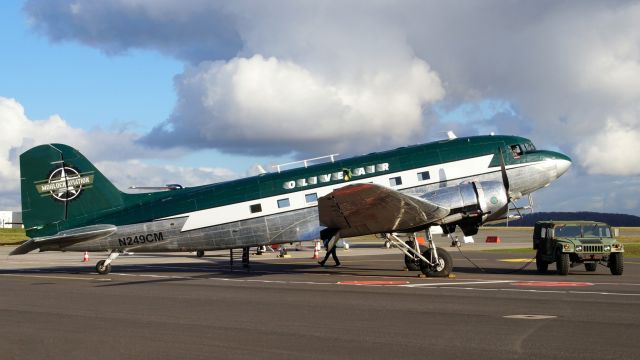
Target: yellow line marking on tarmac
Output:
[(53, 277)]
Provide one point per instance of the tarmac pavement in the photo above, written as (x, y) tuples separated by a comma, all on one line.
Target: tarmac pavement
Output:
[(167, 306)]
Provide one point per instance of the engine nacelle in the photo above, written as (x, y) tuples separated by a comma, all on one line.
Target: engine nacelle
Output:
[(471, 204)]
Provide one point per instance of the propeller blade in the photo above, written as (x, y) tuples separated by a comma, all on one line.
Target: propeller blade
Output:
[(503, 170)]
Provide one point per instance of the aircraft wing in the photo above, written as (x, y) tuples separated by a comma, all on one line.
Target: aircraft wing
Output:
[(362, 209), (66, 237)]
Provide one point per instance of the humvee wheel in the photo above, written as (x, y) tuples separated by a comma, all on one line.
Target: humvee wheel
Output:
[(562, 264), (413, 263), (616, 263), (541, 265), (442, 268), (101, 269), (590, 266)]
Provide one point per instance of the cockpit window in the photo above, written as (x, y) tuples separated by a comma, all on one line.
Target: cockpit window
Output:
[(528, 147), (516, 151)]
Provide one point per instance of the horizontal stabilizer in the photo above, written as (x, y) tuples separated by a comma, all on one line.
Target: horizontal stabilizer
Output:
[(66, 237)]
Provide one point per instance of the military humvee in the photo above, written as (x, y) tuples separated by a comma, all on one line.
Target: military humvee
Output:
[(570, 243)]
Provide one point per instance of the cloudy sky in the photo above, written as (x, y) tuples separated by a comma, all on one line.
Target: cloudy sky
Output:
[(197, 91)]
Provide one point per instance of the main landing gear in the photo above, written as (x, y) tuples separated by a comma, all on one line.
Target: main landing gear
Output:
[(103, 267), (431, 261)]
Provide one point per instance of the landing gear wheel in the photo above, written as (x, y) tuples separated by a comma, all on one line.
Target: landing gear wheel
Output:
[(562, 264), (101, 269), (444, 266), (413, 262), (590, 266), (199, 253), (541, 265), (616, 263)]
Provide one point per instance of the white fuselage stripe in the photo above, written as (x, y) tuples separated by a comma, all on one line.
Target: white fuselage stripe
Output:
[(241, 211)]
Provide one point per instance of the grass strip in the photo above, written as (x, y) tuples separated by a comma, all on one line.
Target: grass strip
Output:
[(12, 236)]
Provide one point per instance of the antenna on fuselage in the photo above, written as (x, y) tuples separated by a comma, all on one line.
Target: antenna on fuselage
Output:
[(157, 188)]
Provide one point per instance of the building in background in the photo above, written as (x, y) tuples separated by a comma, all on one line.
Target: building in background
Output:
[(10, 219)]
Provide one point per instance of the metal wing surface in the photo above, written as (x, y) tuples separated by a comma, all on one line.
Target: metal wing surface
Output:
[(362, 209)]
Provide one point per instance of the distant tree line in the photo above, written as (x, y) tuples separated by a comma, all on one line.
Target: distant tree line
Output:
[(611, 219)]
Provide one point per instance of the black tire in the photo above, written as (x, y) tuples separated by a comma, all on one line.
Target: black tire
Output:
[(199, 253), (413, 263), (101, 269), (541, 265), (444, 266), (562, 264), (616, 263), (590, 266)]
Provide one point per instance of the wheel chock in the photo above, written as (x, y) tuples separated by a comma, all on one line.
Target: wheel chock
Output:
[(422, 276), (452, 276)]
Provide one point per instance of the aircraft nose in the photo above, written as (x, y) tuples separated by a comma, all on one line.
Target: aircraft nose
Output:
[(562, 166), (563, 162)]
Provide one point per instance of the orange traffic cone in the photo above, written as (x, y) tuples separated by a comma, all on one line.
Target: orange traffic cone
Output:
[(85, 258), (316, 253)]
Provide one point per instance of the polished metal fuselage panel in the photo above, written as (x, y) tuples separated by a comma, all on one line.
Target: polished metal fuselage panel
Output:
[(301, 224)]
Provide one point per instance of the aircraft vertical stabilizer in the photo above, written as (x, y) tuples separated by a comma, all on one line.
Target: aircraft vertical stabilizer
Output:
[(62, 189)]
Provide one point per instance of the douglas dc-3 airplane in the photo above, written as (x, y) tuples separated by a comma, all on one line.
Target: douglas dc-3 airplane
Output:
[(68, 205)]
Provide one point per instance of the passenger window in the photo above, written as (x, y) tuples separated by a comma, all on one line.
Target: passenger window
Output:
[(283, 203), (543, 233), (395, 181), (422, 176), (256, 208), (309, 198)]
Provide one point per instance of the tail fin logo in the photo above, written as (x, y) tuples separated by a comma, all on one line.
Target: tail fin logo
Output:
[(64, 183)]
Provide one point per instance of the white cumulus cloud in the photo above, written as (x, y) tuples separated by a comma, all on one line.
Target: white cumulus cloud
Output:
[(612, 150), (259, 105), (117, 154)]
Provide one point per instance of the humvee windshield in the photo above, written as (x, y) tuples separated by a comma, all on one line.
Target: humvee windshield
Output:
[(596, 231), (582, 231), (568, 231)]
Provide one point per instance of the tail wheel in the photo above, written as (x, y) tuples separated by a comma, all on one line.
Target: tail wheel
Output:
[(541, 265), (616, 263), (442, 268), (199, 253), (102, 269), (413, 262), (590, 266), (562, 264)]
